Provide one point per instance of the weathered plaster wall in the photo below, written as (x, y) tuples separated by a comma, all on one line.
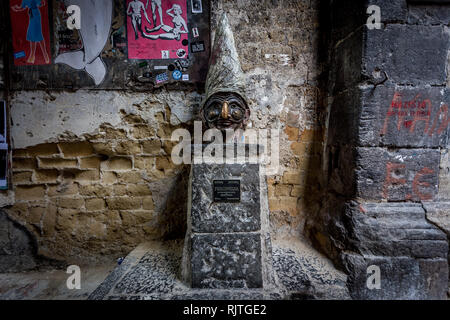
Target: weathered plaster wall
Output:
[(92, 175)]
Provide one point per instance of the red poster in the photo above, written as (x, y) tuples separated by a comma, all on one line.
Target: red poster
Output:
[(30, 32), (157, 29)]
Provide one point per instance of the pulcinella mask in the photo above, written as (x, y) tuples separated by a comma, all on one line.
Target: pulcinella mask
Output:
[(225, 110)]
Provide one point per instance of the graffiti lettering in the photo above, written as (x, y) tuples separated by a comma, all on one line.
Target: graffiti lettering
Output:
[(395, 173), (409, 113)]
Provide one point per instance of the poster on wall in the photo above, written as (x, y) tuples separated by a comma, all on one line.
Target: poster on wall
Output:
[(157, 29), (30, 32)]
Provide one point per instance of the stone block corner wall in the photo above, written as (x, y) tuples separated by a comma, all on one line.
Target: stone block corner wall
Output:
[(387, 149)]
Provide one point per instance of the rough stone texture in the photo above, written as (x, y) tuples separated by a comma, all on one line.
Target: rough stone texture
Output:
[(402, 278), (394, 229), (209, 216), (400, 174), (403, 117), (222, 261), (306, 274), (17, 249), (152, 271), (386, 138), (408, 54), (410, 252), (438, 213)]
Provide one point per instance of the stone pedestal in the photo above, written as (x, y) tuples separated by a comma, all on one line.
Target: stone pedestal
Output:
[(227, 244)]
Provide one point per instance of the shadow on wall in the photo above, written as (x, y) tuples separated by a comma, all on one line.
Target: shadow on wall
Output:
[(18, 249)]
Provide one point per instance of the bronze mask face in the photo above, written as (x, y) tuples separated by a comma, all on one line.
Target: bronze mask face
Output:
[(225, 111)]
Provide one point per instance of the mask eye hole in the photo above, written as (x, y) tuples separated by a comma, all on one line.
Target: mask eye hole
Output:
[(212, 113), (237, 114)]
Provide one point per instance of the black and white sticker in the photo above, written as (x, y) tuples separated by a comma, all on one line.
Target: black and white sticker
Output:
[(198, 46)]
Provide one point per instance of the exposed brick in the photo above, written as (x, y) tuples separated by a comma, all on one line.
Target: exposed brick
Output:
[(143, 132), (288, 204), (88, 175), (164, 163), (22, 177), (297, 191), (57, 163), (282, 190), (96, 190), (23, 163), (63, 189), (49, 220), (164, 131), (104, 148), (292, 133), (76, 149), (144, 162), (168, 146), (117, 163), (138, 190), (70, 203), (124, 203), (30, 192), (308, 135), (46, 149), (95, 204), (90, 162), (151, 147), (147, 203), (109, 177), (113, 133), (19, 210), (120, 190), (130, 177), (292, 178), (35, 214), (46, 176), (300, 148), (128, 147), (19, 152)]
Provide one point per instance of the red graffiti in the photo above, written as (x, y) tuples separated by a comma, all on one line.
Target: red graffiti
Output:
[(416, 110), (390, 180), (394, 177)]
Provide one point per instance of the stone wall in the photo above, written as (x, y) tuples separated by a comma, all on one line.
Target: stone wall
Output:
[(92, 173), (387, 131)]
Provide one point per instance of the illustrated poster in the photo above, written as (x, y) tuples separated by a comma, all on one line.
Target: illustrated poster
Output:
[(30, 32), (157, 29)]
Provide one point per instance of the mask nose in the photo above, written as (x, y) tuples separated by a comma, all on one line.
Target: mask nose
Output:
[(225, 110)]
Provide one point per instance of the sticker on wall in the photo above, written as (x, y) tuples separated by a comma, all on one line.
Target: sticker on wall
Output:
[(181, 53), (95, 28), (176, 75), (165, 54), (66, 38), (30, 32), (195, 32), (198, 47), (162, 77), (196, 6), (156, 28)]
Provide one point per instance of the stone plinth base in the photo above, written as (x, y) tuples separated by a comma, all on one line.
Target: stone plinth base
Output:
[(153, 272)]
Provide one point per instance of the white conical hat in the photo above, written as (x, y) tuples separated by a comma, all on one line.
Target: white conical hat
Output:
[(225, 73)]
